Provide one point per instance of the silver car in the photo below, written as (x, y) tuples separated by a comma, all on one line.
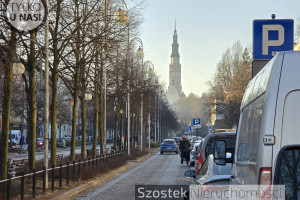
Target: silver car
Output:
[(211, 173)]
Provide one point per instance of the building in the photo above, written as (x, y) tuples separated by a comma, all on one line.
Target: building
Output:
[(174, 92), (297, 45)]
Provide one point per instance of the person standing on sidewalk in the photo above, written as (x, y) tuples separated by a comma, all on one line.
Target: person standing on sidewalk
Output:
[(184, 148)]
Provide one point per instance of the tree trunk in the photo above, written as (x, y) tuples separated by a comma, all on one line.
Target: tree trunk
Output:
[(7, 94), (32, 110), (54, 107), (74, 117), (96, 111), (54, 80), (101, 130), (76, 83), (83, 119)]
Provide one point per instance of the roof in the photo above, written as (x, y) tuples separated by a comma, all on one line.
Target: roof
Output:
[(169, 140)]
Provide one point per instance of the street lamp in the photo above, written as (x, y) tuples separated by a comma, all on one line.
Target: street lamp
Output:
[(122, 18), (18, 67), (140, 55), (88, 96), (150, 73)]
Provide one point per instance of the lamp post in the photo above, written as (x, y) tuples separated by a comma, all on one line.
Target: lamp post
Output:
[(122, 18), (140, 55), (46, 95), (150, 73)]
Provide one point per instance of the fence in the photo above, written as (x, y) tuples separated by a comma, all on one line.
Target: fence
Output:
[(17, 184)]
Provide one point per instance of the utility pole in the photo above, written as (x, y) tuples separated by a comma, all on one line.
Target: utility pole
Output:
[(46, 95)]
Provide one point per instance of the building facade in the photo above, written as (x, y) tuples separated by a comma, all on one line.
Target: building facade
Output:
[(174, 92)]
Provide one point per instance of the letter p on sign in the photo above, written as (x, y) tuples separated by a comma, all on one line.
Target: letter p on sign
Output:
[(266, 42), (272, 36)]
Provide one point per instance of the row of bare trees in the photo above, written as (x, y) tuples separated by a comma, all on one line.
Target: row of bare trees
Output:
[(85, 40)]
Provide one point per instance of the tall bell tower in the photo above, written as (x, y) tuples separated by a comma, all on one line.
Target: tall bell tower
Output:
[(174, 92)]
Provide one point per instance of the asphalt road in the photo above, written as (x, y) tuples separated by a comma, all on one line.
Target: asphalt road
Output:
[(157, 170)]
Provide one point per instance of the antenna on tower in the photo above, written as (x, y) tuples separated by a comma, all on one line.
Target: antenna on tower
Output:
[(175, 24)]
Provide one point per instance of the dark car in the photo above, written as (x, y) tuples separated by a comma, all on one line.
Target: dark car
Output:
[(168, 145), (209, 143)]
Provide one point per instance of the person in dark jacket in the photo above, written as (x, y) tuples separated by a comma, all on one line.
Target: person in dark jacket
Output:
[(184, 148)]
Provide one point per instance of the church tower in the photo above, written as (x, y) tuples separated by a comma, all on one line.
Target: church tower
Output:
[(174, 90)]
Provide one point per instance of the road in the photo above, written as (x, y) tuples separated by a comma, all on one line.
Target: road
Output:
[(157, 170), (39, 155)]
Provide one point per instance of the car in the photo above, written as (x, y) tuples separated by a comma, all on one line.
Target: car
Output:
[(212, 173), (176, 139), (168, 145), (40, 142), (223, 130), (208, 146), (194, 155)]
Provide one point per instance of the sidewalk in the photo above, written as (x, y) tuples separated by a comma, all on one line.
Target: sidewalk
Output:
[(106, 177)]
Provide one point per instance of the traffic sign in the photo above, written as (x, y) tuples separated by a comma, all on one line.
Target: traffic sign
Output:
[(196, 122), (271, 36), (197, 126)]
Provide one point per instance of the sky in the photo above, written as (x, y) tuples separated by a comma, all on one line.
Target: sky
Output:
[(205, 30)]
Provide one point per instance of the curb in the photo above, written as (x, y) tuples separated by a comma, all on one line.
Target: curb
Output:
[(101, 180)]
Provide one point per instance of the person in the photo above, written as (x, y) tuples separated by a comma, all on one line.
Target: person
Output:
[(184, 148)]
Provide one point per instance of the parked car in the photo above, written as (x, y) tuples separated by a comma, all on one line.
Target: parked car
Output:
[(194, 155), (267, 146), (211, 173), (176, 139), (209, 143), (224, 130), (40, 142), (168, 145)]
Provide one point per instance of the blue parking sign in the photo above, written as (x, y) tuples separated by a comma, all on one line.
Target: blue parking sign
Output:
[(270, 36), (196, 122)]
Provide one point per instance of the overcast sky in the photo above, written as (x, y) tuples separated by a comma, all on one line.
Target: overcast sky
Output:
[(205, 30)]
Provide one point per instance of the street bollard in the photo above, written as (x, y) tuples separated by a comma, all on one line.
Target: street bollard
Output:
[(44, 180), (33, 183), (73, 175), (79, 170), (60, 175), (22, 186), (52, 179), (84, 164), (68, 173), (8, 188)]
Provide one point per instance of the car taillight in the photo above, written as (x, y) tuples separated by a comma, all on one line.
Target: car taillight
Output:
[(265, 176), (264, 182), (200, 159)]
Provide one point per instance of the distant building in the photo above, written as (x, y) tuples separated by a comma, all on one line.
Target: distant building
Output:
[(217, 115), (297, 45), (174, 92)]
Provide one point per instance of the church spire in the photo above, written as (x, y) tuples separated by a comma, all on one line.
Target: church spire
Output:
[(175, 44)]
